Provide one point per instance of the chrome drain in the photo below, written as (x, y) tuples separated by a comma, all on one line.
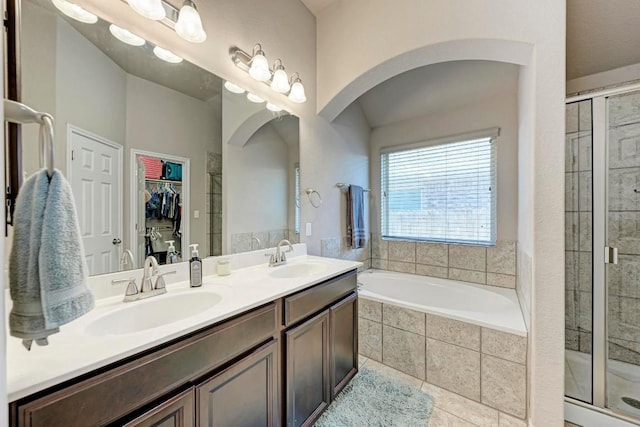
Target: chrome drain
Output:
[(631, 402)]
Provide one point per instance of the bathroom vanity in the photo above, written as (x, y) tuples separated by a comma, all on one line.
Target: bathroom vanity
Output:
[(278, 363)]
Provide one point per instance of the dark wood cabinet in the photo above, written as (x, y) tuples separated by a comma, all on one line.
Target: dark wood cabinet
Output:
[(245, 394), (343, 318), (178, 411), (307, 361)]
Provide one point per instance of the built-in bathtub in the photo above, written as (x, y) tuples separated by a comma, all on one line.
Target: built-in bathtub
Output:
[(469, 339), (488, 306)]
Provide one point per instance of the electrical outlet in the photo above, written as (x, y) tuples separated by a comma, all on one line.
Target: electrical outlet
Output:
[(308, 229), (196, 214)]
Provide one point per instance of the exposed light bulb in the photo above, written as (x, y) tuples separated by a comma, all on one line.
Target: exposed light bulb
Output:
[(151, 9), (280, 81), (189, 25), (260, 67), (126, 36), (232, 87), (74, 11), (254, 98), (297, 94), (166, 55), (273, 107)]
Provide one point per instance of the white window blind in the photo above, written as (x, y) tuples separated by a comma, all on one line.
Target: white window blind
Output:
[(442, 191)]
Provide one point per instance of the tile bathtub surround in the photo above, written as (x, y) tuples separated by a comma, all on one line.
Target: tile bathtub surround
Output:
[(495, 265), (481, 364), (337, 247)]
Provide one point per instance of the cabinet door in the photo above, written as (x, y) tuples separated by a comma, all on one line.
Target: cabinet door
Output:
[(344, 343), (175, 412), (245, 394), (307, 379)]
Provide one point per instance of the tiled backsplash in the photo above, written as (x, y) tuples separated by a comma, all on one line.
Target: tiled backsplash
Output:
[(494, 265), (337, 247), (245, 242)]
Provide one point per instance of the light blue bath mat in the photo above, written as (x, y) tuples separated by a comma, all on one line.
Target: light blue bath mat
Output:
[(373, 399)]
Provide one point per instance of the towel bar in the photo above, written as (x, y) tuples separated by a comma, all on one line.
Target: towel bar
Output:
[(343, 185)]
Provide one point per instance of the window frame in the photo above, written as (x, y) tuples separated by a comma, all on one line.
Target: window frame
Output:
[(492, 134)]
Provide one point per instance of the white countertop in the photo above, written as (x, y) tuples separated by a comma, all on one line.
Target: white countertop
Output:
[(74, 351)]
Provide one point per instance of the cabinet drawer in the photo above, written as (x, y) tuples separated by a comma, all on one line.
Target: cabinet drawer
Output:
[(108, 396), (309, 301)]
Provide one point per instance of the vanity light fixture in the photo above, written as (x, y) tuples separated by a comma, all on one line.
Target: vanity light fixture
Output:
[(280, 80), (189, 25), (232, 87), (151, 9), (259, 69), (273, 107), (257, 66), (74, 11), (297, 94), (254, 98), (167, 55), (126, 36)]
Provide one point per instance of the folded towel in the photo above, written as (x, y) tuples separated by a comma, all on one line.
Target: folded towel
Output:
[(47, 270), (355, 217)]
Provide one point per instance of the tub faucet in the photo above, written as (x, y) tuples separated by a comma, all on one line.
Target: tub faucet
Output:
[(279, 257)]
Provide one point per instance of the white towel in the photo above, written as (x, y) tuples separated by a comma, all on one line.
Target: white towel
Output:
[(47, 270)]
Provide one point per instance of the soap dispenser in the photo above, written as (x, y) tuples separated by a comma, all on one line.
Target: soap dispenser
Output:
[(195, 267), (172, 255)]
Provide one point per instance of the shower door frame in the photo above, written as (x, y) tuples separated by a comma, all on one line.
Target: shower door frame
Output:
[(600, 209)]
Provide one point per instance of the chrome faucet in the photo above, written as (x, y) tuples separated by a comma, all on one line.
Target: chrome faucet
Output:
[(279, 257), (147, 288), (126, 259)]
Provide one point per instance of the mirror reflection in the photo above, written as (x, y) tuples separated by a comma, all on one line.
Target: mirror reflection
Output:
[(122, 115)]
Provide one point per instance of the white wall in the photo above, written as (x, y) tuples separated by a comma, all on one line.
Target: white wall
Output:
[(4, 417), (498, 110), (258, 183)]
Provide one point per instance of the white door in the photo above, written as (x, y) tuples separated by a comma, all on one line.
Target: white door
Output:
[(96, 173)]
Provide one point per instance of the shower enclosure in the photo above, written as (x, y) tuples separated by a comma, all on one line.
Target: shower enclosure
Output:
[(602, 235)]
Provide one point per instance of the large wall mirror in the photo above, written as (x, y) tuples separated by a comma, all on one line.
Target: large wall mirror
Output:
[(155, 151)]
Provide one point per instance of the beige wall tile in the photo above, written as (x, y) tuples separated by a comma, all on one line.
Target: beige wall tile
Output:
[(501, 280), (402, 251), (379, 248), (454, 368), (504, 345), (502, 258), (585, 231), (368, 309), (504, 385), (468, 257), (432, 254), (403, 318), (453, 332), (394, 373), (370, 339), (571, 117), (432, 270), (467, 275), (468, 410), (404, 351), (381, 264), (402, 267), (330, 248)]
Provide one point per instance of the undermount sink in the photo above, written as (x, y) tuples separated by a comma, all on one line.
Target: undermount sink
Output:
[(152, 313), (302, 269)]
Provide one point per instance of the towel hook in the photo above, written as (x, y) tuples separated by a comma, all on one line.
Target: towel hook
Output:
[(318, 199)]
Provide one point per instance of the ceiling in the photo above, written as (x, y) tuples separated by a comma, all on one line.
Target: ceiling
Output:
[(185, 77), (437, 88), (601, 34)]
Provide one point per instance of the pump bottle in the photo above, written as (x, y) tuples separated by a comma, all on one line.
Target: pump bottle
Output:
[(195, 267), (172, 255)]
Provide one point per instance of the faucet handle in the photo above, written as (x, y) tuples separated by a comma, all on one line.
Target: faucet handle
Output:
[(160, 284), (132, 288)]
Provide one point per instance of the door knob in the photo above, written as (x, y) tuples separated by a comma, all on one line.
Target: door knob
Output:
[(116, 241)]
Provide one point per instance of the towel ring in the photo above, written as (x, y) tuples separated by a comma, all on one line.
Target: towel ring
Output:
[(318, 199)]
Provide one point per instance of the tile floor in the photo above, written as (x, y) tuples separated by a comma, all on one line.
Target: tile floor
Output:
[(450, 409), (623, 379)]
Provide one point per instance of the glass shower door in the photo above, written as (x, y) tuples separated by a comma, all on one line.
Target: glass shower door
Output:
[(578, 250), (623, 234)]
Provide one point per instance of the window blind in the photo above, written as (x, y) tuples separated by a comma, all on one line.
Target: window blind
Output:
[(443, 192)]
